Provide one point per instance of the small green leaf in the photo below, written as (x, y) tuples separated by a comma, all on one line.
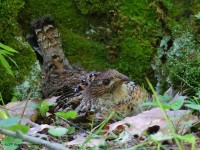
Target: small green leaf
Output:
[(166, 106), (3, 114), (11, 143), (177, 104), (188, 123), (22, 128), (9, 122), (8, 48), (193, 106), (160, 136), (58, 131), (34, 106), (15, 97), (6, 65), (149, 104), (197, 15), (71, 130), (187, 137), (12, 61), (4, 52), (43, 107), (70, 114)]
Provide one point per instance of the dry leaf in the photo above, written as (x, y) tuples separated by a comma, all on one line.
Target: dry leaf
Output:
[(30, 114), (92, 143), (37, 128), (16, 109), (154, 118)]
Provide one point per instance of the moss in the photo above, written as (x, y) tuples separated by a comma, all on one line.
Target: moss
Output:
[(10, 35), (64, 12), (124, 34), (84, 51), (137, 38), (181, 66), (8, 12), (72, 25), (96, 6), (134, 42), (24, 59)]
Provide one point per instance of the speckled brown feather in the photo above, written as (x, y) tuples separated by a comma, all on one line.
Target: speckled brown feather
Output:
[(100, 92), (120, 95), (58, 76)]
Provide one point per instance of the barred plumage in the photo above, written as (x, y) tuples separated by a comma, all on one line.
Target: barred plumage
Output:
[(84, 91)]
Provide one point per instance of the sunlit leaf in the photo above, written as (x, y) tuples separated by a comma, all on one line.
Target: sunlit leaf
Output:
[(70, 114), (187, 137), (166, 106), (12, 61), (4, 52), (43, 107), (6, 65), (9, 122), (160, 136), (193, 106), (198, 15), (149, 104), (22, 128), (188, 123), (35, 106), (3, 114), (71, 130), (58, 131), (8, 48), (177, 104), (11, 143)]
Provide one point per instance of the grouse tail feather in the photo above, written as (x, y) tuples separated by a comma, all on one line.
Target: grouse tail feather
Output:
[(47, 44)]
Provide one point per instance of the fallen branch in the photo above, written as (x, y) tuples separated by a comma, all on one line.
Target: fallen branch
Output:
[(33, 140)]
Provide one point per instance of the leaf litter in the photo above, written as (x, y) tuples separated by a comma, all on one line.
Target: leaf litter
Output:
[(129, 131)]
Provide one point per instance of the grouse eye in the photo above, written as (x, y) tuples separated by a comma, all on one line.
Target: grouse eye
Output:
[(106, 82)]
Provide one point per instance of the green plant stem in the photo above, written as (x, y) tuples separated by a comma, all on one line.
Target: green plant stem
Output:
[(100, 128), (171, 127), (1, 99)]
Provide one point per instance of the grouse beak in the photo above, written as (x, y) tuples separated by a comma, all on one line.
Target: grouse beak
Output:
[(123, 78)]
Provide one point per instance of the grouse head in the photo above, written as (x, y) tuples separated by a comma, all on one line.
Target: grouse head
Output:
[(111, 91), (105, 82)]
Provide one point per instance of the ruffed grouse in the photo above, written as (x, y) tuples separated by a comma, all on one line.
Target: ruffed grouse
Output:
[(58, 76), (102, 92), (112, 91)]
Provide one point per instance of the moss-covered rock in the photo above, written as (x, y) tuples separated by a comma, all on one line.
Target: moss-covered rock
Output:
[(177, 62), (88, 7), (72, 26), (124, 35), (24, 59), (10, 35), (137, 37), (119, 38)]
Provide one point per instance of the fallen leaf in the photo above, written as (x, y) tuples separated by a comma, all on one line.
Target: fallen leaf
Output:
[(31, 114), (58, 131), (37, 128), (95, 142), (16, 109), (136, 125)]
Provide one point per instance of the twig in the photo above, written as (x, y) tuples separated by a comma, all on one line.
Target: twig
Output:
[(77, 127), (34, 140), (27, 99)]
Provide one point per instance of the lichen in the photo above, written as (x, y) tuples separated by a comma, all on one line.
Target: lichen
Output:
[(31, 83), (181, 70)]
